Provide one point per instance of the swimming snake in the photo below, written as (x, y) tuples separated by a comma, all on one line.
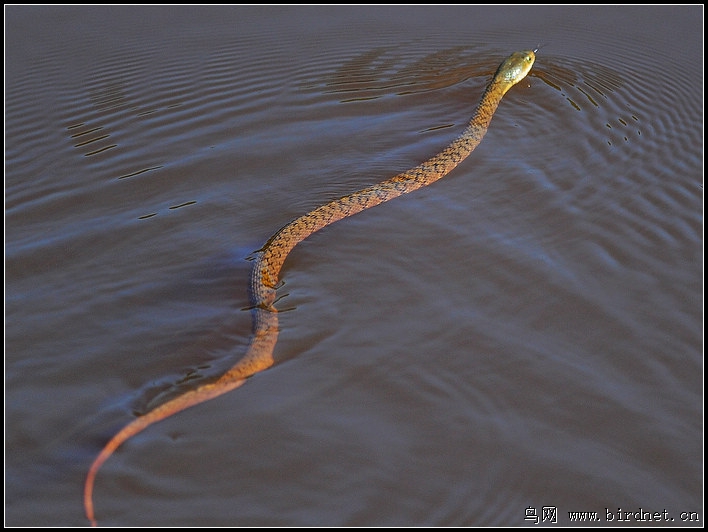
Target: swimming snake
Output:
[(269, 260)]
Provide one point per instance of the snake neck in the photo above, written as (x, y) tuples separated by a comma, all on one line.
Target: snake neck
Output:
[(482, 117)]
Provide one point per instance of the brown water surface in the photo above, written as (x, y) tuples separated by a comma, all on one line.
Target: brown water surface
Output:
[(525, 333)]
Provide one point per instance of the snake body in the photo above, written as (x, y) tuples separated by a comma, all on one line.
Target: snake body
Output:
[(269, 260)]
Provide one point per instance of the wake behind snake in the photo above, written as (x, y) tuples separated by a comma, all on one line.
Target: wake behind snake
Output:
[(269, 260)]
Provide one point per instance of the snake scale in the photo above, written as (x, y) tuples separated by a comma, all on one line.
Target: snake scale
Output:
[(269, 260)]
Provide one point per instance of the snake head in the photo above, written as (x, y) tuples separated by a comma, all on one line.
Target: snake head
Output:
[(514, 68)]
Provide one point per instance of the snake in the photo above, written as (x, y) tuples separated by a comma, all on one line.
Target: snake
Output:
[(268, 261)]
